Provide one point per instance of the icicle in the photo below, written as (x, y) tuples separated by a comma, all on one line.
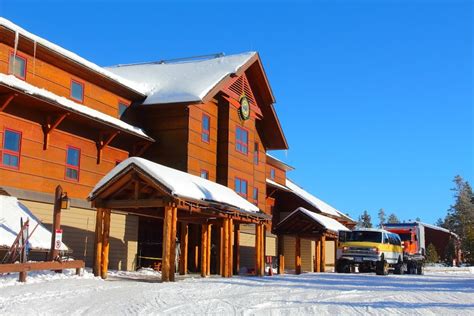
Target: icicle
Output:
[(34, 58)]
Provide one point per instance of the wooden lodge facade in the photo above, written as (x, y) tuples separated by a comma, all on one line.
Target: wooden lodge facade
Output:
[(66, 121)]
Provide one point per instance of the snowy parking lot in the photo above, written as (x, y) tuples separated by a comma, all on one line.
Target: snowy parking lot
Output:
[(439, 292)]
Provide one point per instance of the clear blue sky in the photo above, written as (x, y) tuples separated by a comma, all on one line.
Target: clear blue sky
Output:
[(375, 97)]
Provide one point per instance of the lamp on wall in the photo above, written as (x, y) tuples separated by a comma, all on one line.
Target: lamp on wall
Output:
[(65, 201)]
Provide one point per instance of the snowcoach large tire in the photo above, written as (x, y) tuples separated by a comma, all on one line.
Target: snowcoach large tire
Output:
[(419, 269), (399, 268), (343, 266), (381, 267)]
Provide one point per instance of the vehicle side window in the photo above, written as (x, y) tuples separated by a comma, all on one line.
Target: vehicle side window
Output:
[(385, 239)]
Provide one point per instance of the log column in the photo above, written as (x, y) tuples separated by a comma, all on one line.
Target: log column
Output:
[(166, 255), (204, 249), (323, 253), (105, 245), (98, 242), (259, 250), (281, 256), (183, 259), (230, 261), (174, 224), (297, 255), (317, 252), (236, 249), (208, 261)]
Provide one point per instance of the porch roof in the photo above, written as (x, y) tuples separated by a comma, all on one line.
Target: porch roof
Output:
[(180, 185)]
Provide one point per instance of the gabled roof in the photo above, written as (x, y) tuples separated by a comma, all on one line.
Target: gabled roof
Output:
[(40, 42), (11, 211), (22, 86), (295, 218), (185, 81), (278, 163), (179, 184)]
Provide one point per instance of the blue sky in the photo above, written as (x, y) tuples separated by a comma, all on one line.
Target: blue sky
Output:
[(375, 97)]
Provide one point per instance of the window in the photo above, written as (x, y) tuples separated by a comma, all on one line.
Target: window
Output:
[(255, 154), (72, 163), (77, 91), (255, 195), (205, 174), (122, 106), (241, 140), (206, 128), (17, 66), (241, 187), (272, 174), (11, 149)]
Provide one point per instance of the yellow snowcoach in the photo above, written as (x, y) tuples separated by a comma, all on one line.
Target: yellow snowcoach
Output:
[(369, 250)]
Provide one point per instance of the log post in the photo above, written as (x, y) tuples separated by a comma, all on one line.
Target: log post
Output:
[(264, 248), (204, 232), (174, 223), (105, 245), (317, 251), (221, 248), (236, 249), (183, 259), (230, 261), (281, 255), (165, 266), (208, 256), (297, 255), (257, 249), (323, 253), (53, 253), (98, 242)]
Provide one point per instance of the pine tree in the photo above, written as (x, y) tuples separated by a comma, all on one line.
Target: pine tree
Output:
[(418, 219), (365, 220), (393, 219), (431, 254), (460, 218), (381, 216)]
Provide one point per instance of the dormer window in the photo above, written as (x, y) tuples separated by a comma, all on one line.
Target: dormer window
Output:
[(77, 91), (17, 66)]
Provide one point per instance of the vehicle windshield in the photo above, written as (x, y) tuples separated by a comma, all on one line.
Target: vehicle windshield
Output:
[(367, 236), (405, 237)]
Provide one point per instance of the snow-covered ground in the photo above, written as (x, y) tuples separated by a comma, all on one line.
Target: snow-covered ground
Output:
[(438, 292)]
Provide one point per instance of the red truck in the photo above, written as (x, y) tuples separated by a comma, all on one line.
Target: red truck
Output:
[(413, 243)]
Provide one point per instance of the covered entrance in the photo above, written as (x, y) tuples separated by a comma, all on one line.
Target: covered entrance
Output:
[(200, 219)]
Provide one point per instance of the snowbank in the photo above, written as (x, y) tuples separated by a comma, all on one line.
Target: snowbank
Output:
[(11, 211)]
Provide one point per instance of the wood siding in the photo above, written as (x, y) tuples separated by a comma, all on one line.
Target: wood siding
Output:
[(78, 233), (58, 81), (280, 174), (42, 170)]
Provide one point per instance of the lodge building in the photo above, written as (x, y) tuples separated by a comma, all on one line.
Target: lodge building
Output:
[(200, 181)]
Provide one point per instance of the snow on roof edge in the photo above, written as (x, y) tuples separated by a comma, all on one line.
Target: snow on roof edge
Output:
[(27, 88), (328, 222), (73, 56)]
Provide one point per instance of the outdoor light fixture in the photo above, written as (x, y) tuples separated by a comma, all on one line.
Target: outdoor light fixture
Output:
[(65, 201)]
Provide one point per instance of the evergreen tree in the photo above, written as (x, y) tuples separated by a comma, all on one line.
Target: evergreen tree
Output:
[(393, 219), (450, 252), (431, 254), (365, 220), (418, 219), (460, 218), (440, 222), (381, 216)]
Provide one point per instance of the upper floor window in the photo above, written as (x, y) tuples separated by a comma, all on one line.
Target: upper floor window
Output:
[(122, 106), (255, 153), (206, 128), (241, 140), (272, 174), (255, 195), (205, 174), (241, 186), (17, 66), (72, 163), (77, 91), (11, 149)]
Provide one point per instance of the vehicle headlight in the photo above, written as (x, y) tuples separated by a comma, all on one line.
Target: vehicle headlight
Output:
[(375, 249), (345, 249)]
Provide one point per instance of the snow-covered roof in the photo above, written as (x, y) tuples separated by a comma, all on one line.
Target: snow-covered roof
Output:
[(287, 166), (181, 184), (11, 210), (311, 199), (23, 86), (277, 185), (327, 222), (185, 81), (72, 56)]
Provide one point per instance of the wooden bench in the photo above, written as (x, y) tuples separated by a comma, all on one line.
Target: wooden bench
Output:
[(23, 268)]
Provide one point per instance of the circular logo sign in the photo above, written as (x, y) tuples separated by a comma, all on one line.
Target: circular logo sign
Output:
[(244, 109)]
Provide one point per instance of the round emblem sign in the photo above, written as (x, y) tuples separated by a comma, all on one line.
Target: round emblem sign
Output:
[(244, 109)]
